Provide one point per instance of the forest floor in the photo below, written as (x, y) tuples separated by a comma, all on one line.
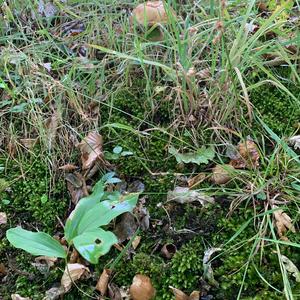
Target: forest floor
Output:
[(196, 113)]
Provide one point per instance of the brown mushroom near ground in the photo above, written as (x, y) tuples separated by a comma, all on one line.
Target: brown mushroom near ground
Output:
[(142, 288), (150, 13)]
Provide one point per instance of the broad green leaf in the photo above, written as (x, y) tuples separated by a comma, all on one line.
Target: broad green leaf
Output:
[(117, 150), (201, 156), (95, 243), (84, 205), (102, 213), (36, 243)]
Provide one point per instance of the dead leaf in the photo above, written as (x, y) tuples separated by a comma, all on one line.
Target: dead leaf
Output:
[(50, 261), (136, 242), (114, 292), (18, 297), (103, 281), (28, 143), (221, 174), (290, 267), (142, 214), (68, 167), (168, 250), (194, 181), (47, 9), (72, 273), (54, 293), (142, 288), (76, 186), (151, 13), (295, 141), (282, 222), (248, 156), (51, 126), (126, 227), (3, 218), (91, 149), (74, 256), (180, 295), (185, 195), (3, 270), (207, 268)]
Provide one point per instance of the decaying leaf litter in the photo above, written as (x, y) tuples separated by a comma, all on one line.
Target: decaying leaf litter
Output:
[(212, 164)]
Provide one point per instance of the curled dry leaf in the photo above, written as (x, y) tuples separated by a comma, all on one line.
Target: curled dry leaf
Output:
[(126, 227), (142, 288), (194, 181), (76, 186), (248, 156), (18, 297), (151, 13), (103, 281), (114, 292), (180, 295), (28, 143), (290, 267), (207, 268), (54, 293), (91, 149), (185, 195), (221, 174), (3, 270), (3, 218), (49, 261), (168, 250), (68, 167), (52, 126), (72, 273), (136, 242), (295, 141), (282, 222)]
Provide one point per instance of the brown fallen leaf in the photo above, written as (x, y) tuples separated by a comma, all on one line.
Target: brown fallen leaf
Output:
[(221, 174), (295, 141), (3, 270), (194, 181), (91, 150), (18, 297), (136, 242), (76, 186), (50, 261), (72, 273), (68, 167), (114, 292), (28, 143), (290, 267), (3, 218), (180, 295), (168, 250), (185, 195), (54, 293), (74, 256), (283, 223), (151, 13), (142, 288), (52, 126), (126, 227), (103, 281), (248, 156)]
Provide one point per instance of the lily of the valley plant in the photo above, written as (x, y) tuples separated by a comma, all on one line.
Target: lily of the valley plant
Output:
[(82, 229)]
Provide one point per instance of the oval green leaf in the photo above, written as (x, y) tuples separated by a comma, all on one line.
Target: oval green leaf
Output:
[(105, 211), (36, 243), (95, 243)]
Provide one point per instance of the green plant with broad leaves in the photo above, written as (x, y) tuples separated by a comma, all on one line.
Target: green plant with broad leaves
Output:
[(82, 229)]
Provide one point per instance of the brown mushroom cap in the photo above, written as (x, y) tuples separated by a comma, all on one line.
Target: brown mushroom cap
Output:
[(142, 288), (150, 13)]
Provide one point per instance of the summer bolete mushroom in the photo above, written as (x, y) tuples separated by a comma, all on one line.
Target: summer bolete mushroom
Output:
[(150, 13), (142, 288)]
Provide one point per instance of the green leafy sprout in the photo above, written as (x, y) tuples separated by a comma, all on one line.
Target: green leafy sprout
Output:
[(82, 229)]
